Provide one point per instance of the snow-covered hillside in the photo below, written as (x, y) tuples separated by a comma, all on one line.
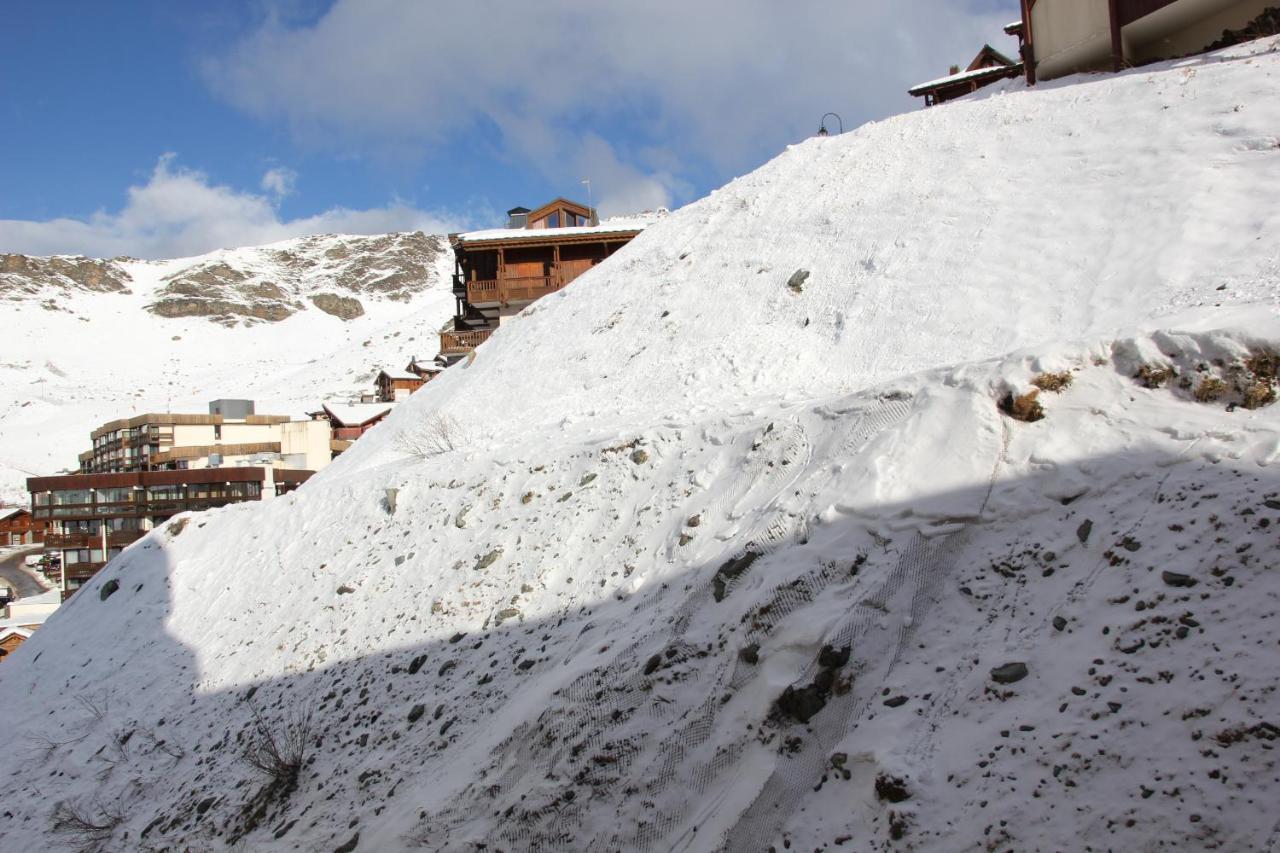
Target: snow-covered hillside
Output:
[(286, 324), (708, 554)]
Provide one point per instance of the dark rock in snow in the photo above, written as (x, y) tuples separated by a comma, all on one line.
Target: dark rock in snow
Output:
[(1083, 531), (1178, 579), (1059, 623), (891, 789), (895, 702), (349, 846), (731, 570), (796, 282), (750, 654), (1009, 673), (639, 457), (832, 658), (652, 664), (416, 713), (801, 704), (108, 589), (416, 664)]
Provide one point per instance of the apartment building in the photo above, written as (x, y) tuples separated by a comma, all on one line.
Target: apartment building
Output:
[(230, 434)]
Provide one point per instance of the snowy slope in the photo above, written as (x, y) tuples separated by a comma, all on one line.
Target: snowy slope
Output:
[(553, 633), (72, 358)]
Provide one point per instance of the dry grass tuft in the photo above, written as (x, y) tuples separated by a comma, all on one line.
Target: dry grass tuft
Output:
[(1155, 375), (1054, 383), (1210, 389), (1257, 395), (1025, 407)]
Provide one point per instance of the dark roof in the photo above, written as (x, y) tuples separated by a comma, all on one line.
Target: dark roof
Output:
[(517, 210), (989, 53)]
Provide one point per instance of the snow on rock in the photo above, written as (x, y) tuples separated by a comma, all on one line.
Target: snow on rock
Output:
[(688, 560)]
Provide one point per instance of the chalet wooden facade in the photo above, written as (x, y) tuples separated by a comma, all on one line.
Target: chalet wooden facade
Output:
[(1060, 37), (395, 385), (989, 66), (500, 272), (18, 527)]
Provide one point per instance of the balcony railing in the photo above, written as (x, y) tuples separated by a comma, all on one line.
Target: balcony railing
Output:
[(456, 342), (514, 289)]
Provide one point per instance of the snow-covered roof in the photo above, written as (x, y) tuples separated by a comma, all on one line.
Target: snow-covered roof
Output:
[(357, 414), (609, 226), (9, 512), (976, 74), (397, 373)]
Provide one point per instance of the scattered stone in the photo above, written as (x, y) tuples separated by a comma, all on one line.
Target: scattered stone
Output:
[(416, 664), (108, 589), (1083, 531), (1178, 579), (416, 713), (349, 846), (1009, 673), (1059, 623), (505, 614), (694, 521), (895, 702), (488, 559), (345, 590), (796, 282), (342, 307), (652, 664), (730, 571), (750, 654), (586, 478), (891, 789), (639, 456), (801, 704)]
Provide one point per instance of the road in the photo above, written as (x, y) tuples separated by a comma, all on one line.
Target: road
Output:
[(11, 573)]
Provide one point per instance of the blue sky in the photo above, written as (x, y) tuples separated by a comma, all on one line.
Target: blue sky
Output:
[(165, 128)]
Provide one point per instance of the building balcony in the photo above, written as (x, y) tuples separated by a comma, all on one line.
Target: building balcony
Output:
[(72, 540), (463, 342), (504, 291)]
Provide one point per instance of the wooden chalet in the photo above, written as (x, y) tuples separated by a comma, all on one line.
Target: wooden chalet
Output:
[(1061, 37), (11, 637), (395, 384), (349, 421), (18, 527), (499, 272), (989, 66)]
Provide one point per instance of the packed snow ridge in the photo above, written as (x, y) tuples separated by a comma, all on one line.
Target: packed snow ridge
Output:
[(707, 553)]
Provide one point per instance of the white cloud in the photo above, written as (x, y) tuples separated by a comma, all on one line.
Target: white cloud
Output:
[(642, 92), (178, 213), (279, 181)]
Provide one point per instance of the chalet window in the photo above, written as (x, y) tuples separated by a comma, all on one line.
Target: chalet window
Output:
[(553, 221)]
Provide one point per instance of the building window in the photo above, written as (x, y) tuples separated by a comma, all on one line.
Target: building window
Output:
[(553, 221)]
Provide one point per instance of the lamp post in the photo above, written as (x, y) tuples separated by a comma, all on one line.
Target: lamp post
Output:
[(822, 124)]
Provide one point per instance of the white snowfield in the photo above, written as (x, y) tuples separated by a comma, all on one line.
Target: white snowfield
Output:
[(95, 357), (689, 559)]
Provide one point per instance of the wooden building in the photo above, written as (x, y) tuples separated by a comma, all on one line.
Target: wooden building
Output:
[(499, 272), (989, 66), (17, 527), (1061, 37), (11, 638), (395, 384), (93, 517), (348, 421)]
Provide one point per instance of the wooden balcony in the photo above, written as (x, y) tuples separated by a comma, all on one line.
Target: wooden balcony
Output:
[(503, 291), (461, 342), (72, 540)]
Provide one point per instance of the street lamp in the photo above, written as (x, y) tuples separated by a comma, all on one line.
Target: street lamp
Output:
[(822, 124)]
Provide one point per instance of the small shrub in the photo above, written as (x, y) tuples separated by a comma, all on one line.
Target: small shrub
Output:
[(1155, 375), (1024, 407), (1210, 389), (439, 435), (1054, 383), (1264, 366), (279, 754), (85, 828), (1258, 394)]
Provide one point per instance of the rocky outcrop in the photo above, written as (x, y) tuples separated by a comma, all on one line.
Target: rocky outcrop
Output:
[(25, 276), (342, 307), (233, 286)]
